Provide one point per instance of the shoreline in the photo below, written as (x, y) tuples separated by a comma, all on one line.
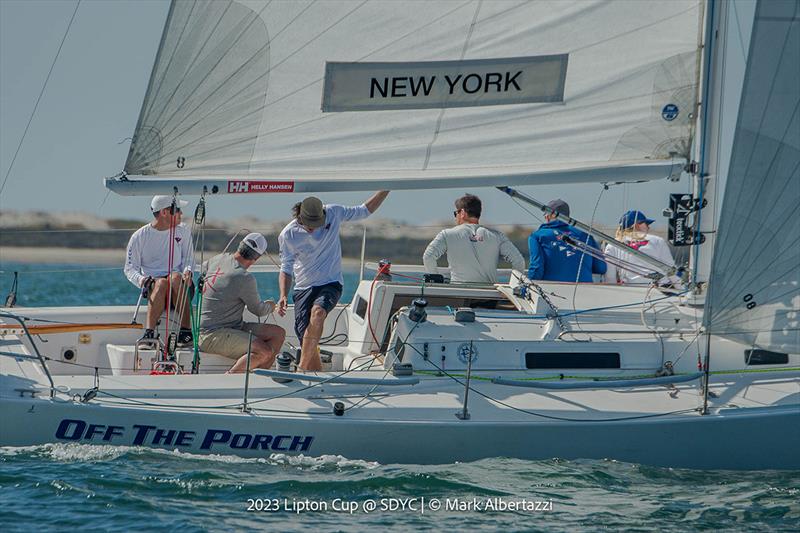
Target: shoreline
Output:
[(34, 255)]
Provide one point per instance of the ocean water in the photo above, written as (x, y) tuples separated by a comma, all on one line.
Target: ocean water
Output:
[(110, 488), (69, 284)]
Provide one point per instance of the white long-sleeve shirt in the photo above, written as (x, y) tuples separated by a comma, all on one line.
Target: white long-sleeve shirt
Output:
[(472, 253), (315, 258), (652, 245), (148, 253)]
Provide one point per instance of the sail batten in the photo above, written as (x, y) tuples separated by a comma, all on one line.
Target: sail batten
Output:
[(252, 88)]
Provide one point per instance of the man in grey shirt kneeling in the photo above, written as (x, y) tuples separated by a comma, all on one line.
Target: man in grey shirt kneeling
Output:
[(229, 288)]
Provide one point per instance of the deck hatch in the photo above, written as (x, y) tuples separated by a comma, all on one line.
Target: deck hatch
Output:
[(765, 357), (572, 360)]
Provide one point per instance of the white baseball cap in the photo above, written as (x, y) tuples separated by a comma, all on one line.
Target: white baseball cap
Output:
[(257, 242), (162, 201)]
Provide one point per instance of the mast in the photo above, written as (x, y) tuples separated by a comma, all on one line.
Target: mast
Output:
[(725, 60)]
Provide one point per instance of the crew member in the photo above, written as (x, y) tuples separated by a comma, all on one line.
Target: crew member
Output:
[(229, 288), (634, 231), (149, 265), (472, 250), (311, 254), (553, 258)]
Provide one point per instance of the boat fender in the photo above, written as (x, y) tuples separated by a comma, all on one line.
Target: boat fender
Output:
[(417, 313), (465, 314), (338, 408), (284, 365), (402, 369)]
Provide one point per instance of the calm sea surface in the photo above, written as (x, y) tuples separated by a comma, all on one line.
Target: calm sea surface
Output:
[(61, 486)]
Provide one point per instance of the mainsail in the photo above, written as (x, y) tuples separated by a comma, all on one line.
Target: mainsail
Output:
[(754, 295), (427, 93)]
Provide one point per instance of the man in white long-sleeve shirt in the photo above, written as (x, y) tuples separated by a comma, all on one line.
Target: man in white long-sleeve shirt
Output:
[(147, 264), (311, 255), (472, 250)]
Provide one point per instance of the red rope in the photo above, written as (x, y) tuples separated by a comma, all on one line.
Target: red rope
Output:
[(170, 264)]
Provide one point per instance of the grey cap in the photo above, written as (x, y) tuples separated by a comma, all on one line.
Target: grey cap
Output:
[(559, 206), (311, 213)]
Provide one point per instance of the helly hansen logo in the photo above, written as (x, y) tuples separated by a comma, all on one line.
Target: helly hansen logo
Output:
[(260, 186), (238, 186)]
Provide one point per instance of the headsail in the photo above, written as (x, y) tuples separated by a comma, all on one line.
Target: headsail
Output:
[(342, 91), (755, 293)]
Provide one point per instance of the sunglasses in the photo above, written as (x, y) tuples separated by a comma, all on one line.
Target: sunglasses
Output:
[(456, 212)]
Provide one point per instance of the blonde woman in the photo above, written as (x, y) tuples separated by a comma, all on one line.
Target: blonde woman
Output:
[(634, 230)]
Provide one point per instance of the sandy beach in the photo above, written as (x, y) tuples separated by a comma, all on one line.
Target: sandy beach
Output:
[(47, 255), (90, 256)]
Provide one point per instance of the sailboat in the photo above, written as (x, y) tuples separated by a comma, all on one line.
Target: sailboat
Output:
[(258, 97)]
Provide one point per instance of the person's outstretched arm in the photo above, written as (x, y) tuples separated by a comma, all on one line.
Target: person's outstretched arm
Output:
[(375, 201)]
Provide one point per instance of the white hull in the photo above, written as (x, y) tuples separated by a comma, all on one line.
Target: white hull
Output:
[(752, 422), (727, 438)]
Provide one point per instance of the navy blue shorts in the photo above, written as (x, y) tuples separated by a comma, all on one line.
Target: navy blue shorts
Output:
[(325, 296)]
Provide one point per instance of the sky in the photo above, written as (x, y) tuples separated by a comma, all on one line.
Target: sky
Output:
[(89, 109)]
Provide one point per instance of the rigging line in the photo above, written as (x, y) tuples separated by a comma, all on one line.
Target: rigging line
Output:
[(747, 96), (686, 349), (781, 216), (551, 417), (440, 118), (653, 330), (39, 98), (583, 256), (524, 208), (100, 208)]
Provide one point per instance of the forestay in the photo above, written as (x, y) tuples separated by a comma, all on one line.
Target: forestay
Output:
[(333, 94), (755, 293)]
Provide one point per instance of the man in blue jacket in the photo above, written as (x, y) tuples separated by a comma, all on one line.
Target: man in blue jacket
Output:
[(553, 259)]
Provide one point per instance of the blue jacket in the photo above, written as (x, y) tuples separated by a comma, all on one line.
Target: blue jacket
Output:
[(554, 260)]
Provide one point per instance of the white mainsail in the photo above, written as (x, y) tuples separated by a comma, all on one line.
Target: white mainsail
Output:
[(754, 296), (348, 94)]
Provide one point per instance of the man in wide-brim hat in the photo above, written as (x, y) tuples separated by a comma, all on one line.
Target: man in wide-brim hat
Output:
[(311, 256)]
